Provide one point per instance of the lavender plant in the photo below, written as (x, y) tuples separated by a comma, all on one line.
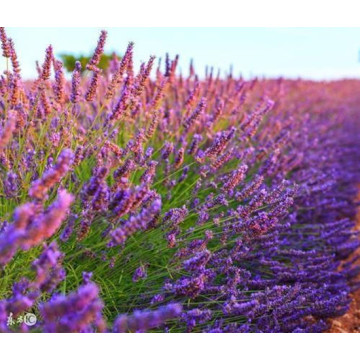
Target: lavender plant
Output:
[(145, 200)]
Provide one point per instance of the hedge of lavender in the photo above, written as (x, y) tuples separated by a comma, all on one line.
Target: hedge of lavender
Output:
[(136, 201)]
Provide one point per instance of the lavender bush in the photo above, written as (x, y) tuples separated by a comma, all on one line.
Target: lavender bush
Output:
[(149, 201)]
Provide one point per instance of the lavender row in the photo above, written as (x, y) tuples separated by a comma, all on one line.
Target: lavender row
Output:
[(152, 201)]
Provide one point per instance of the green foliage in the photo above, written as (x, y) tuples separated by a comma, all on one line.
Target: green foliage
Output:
[(69, 61)]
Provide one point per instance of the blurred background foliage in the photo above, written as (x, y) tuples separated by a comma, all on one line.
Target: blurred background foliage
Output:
[(70, 59)]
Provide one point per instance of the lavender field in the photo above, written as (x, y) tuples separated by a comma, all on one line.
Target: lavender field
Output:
[(143, 200)]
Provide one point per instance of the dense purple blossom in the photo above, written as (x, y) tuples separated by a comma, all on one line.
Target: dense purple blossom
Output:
[(174, 202), (80, 311), (40, 187), (142, 321)]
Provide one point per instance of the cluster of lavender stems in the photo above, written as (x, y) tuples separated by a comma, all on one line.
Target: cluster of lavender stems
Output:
[(148, 200)]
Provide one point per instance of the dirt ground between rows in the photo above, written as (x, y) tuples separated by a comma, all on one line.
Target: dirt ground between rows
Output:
[(350, 322)]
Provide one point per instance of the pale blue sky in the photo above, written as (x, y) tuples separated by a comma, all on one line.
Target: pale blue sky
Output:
[(317, 53)]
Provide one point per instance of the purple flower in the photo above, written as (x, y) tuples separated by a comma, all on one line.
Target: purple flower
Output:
[(136, 223), (117, 76), (40, 187), (8, 129), (46, 224), (94, 61), (49, 272), (195, 115), (46, 68), (142, 321), (5, 43), (140, 273), (79, 311), (11, 238), (75, 83)]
